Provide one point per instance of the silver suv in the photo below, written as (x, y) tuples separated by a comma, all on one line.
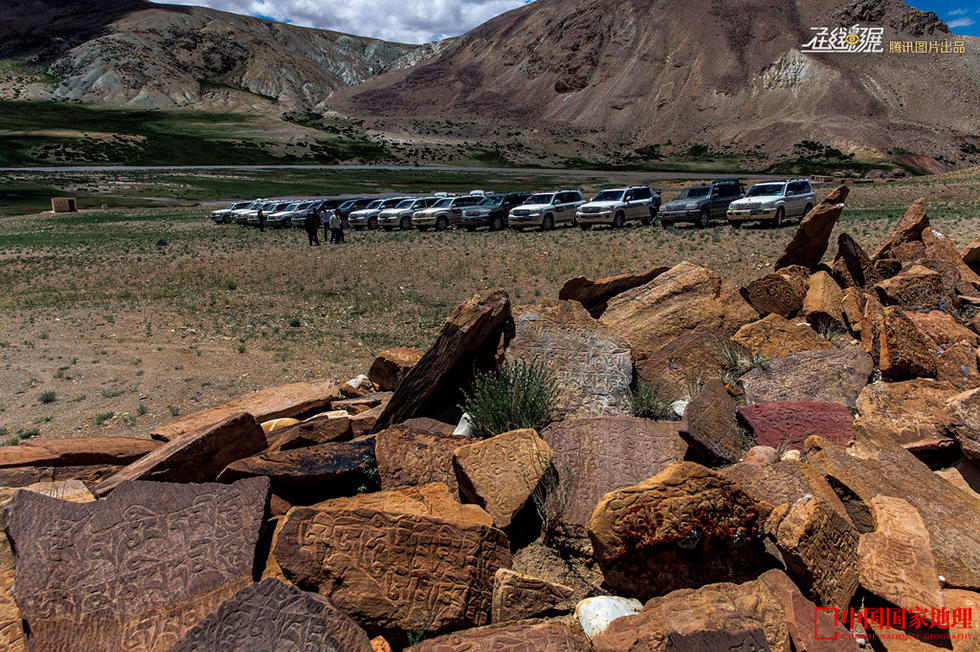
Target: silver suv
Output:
[(546, 209), (401, 215), (773, 201), (618, 205), (444, 212), (368, 216)]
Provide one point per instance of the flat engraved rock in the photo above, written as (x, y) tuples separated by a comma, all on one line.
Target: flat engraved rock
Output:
[(136, 570)]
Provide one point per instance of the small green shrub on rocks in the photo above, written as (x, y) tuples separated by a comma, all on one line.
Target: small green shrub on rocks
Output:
[(516, 395)]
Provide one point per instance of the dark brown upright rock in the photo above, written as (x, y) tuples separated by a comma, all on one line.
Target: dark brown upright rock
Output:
[(135, 570), (607, 453), (809, 243), (468, 344), (595, 295), (906, 230), (709, 425), (196, 456), (273, 615), (852, 267)]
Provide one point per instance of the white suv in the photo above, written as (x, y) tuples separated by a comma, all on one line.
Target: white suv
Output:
[(618, 205), (773, 201), (546, 209)]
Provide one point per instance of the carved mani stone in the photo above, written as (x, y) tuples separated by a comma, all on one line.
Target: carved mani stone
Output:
[(394, 573), (272, 615), (832, 376), (709, 426), (409, 457), (137, 569), (788, 424), (517, 596), (531, 635)]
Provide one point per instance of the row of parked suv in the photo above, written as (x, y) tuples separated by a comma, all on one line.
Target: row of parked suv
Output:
[(772, 201)]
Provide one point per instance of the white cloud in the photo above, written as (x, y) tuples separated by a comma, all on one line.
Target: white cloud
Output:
[(407, 21), (957, 12), (961, 22)]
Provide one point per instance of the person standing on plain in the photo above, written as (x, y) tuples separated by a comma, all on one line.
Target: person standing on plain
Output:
[(261, 217), (324, 214), (336, 228), (312, 228)]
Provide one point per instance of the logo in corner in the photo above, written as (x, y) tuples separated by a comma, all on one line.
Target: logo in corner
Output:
[(854, 39)]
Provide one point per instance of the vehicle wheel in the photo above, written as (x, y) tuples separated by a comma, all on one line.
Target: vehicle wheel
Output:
[(666, 224), (809, 207), (442, 224), (547, 223), (497, 224), (373, 224), (704, 219), (585, 227), (619, 221), (778, 220), (405, 224)]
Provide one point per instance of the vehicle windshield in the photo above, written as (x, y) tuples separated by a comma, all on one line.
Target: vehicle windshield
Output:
[(540, 199), (268, 207), (443, 203), (492, 200), (292, 207), (375, 204), (694, 192), (609, 195), (302, 207), (765, 189), (408, 203), (391, 203)]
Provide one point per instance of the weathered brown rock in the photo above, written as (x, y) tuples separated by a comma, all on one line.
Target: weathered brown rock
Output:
[(964, 475), (294, 400), (907, 229), (676, 529), (824, 303), (501, 473), (879, 466), (971, 255), (872, 325), (831, 376), (431, 426), (682, 298), (943, 328), (691, 354), (761, 455), (852, 267), (727, 616), (781, 292), (517, 596), (407, 457), (433, 500), (774, 336), (965, 636), (595, 295), (197, 456), (78, 451), (919, 289), (309, 474), (782, 482), (591, 366), (607, 453), (896, 562), (365, 422), (819, 548), (394, 573), (809, 243), (318, 430), (962, 420), (467, 344), (888, 267), (939, 247), (90, 475), (361, 404), (911, 412), (273, 615), (391, 366), (852, 306), (788, 424), (957, 366), (903, 350), (709, 426), (135, 570), (557, 635)]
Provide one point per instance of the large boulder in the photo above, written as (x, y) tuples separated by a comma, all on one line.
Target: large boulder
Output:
[(896, 562), (809, 243), (852, 267), (900, 348), (693, 353), (962, 419), (906, 230), (819, 548), (135, 570), (682, 298), (391, 365), (195, 456), (77, 451), (274, 615), (409, 457), (911, 412), (685, 526), (879, 466), (957, 365), (517, 596), (393, 573), (919, 289), (943, 328), (468, 344), (295, 400), (774, 336), (833, 376), (607, 453), (785, 481), (780, 292), (591, 366), (709, 425), (595, 295), (501, 473), (540, 634), (971, 255), (788, 424), (824, 302)]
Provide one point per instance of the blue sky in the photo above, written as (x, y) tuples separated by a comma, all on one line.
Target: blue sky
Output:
[(418, 21)]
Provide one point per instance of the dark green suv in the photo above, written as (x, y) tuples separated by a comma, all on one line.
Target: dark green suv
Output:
[(701, 203)]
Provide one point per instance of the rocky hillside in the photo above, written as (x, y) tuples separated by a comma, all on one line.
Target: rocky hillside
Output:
[(710, 465), (725, 74), (134, 53)]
